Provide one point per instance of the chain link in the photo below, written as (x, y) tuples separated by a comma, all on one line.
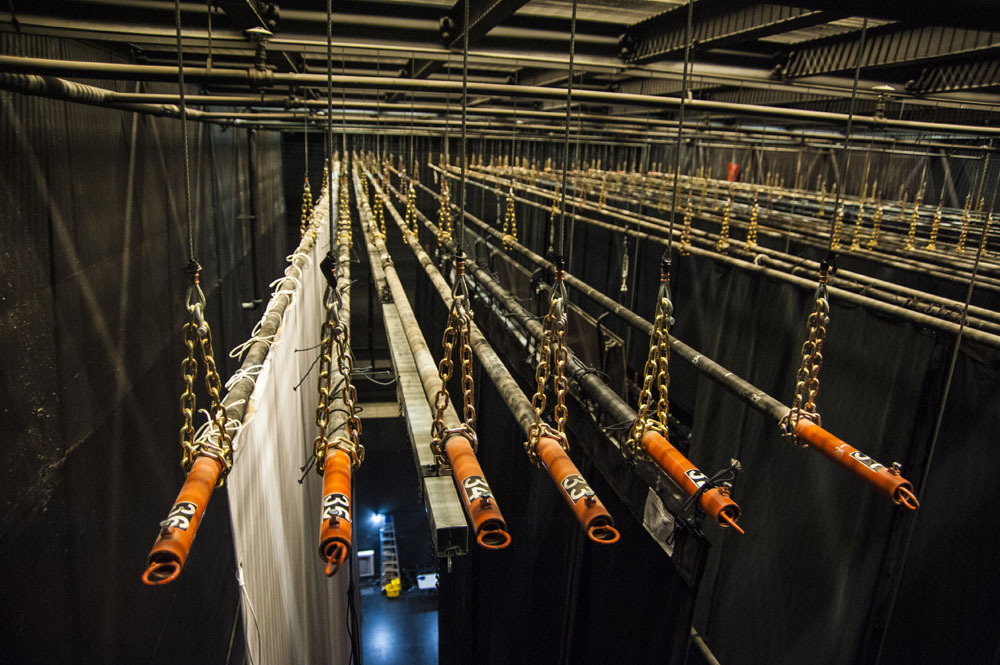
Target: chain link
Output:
[(509, 221), (752, 228), (807, 377), (457, 331), (444, 214), (307, 209), (722, 244), (876, 227), (656, 371), (685, 244), (553, 333), (838, 227), (217, 442)]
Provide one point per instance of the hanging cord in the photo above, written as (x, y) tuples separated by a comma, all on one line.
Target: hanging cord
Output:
[(807, 377), (668, 252), (213, 441), (925, 475), (307, 200), (845, 156), (460, 222), (329, 120), (569, 117), (184, 134)]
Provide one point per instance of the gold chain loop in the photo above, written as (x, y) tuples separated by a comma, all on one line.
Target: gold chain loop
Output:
[(444, 214), (458, 330), (752, 228), (656, 371), (509, 221), (307, 209), (807, 377), (553, 335)]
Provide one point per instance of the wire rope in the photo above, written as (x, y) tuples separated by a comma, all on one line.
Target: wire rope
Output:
[(569, 117), (668, 252), (329, 118), (184, 134), (460, 222)]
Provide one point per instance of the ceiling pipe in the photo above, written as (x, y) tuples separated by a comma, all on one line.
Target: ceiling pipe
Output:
[(258, 79)]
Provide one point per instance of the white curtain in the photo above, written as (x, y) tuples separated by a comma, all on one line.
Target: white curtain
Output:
[(300, 613)]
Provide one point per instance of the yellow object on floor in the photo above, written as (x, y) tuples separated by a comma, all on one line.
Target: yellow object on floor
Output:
[(393, 588)]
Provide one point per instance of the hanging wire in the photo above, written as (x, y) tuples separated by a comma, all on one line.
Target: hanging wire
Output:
[(845, 155), (305, 135), (925, 475), (329, 117), (184, 134), (343, 108), (569, 117), (668, 252), (460, 222)]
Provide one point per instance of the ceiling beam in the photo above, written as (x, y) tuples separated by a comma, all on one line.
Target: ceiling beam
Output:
[(888, 46), (957, 77), (717, 24)]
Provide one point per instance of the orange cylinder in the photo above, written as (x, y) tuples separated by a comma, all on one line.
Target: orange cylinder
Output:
[(477, 497), (589, 510), (886, 480), (715, 501), (336, 519), (177, 532)]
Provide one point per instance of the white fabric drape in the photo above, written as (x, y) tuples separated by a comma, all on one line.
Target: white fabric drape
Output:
[(300, 613)]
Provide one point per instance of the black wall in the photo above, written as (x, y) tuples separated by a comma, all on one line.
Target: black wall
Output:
[(92, 245)]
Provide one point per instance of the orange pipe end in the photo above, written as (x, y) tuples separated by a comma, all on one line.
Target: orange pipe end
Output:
[(335, 518), (714, 502), (583, 501), (883, 478), (177, 532), (477, 497)]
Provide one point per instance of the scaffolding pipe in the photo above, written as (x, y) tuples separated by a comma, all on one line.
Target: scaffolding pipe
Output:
[(579, 496), (477, 497), (259, 79)]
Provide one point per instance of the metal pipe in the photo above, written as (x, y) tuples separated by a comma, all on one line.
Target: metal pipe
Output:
[(817, 438), (477, 497), (859, 299), (337, 507), (177, 532), (582, 500), (266, 78)]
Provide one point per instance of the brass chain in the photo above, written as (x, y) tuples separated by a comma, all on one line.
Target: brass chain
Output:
[(458, 330), (807, 377), (752, 228), (553, 333), (685, 244), (838, 226), (655, 372), (444, 214), (856, 237), (722, 244), (935, 228), (411, 208), (307, 209), (321, 444), (351, 444), (217, 443), (876, 227), (509, 221), (822, 200)]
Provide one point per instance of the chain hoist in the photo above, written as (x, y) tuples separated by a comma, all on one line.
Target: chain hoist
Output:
[(856, 237), (552, 351), (458, 331), (685, 244), (911, 234), (444, 215), (509, 221), (307, 209), (217, 443), (722, 244), (807, 377), (876, 227), (838, 227), (752, 228), (656, 372), (935, 228)]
